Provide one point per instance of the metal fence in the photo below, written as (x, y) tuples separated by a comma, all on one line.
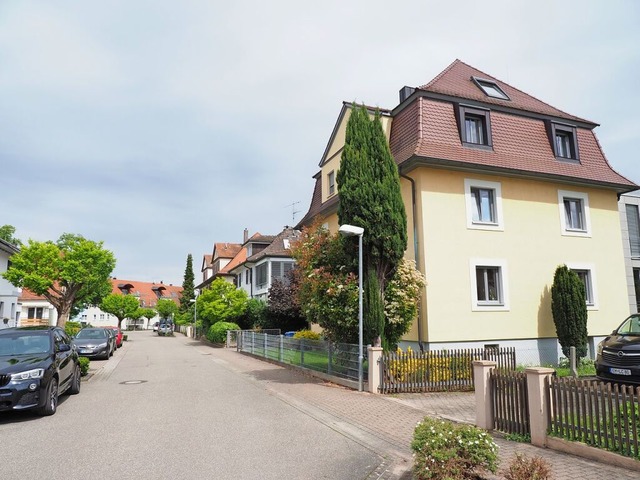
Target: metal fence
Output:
[(510, 401), (335, 359), (596, 413), (437, 370)]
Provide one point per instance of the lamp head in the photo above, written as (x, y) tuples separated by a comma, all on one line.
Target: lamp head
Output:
[(351, 230)]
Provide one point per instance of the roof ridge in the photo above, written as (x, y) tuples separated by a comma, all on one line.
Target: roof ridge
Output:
[(441, 74)]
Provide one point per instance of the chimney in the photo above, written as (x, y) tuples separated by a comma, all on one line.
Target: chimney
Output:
[(406, 92), (246, 235)]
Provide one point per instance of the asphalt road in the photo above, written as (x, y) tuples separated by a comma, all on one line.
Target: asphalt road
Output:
[(163, 408)]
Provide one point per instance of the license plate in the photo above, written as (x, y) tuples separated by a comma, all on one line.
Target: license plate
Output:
[(620, 371), (85, 350)]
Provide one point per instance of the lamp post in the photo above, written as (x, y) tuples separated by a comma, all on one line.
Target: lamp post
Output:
[(350, 231), (195, 312)]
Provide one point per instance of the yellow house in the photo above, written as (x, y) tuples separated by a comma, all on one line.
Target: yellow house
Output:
[(500, 188)]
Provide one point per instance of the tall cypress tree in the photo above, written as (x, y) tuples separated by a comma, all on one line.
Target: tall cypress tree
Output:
[(187, 286), (369, 188), (569, 309)]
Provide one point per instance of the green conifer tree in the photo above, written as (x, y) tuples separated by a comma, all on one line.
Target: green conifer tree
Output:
[(187, 286), (569, 309)]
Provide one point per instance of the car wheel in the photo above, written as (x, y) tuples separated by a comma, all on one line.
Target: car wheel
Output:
[(106, 354), (51, 404), (74, 389)]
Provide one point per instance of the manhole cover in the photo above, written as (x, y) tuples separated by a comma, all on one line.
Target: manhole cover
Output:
[(133, 382)]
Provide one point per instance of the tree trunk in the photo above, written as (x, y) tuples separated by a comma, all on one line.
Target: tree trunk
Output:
[(64, 310)]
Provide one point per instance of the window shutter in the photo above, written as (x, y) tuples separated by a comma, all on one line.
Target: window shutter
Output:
[(633, 222), (276, 270)]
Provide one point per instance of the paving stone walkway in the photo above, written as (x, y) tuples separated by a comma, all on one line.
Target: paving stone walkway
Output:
[(386, 423)]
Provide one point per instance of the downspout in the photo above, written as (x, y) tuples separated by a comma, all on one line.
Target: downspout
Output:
[(416, 248)]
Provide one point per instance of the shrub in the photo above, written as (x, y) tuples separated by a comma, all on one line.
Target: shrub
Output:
[(218, 331), (307, 334), (525, 468), (71, 328), (84, 365), (444, 449)]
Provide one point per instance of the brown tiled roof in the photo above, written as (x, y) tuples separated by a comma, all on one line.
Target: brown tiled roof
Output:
[(226, 250), (259, 238), (27, 295), (277, 247), (427, 132), (455, 80), (206, 262), (146, 291), (240, 258)]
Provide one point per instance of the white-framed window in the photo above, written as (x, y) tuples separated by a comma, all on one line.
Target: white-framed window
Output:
[(489, 284), (484, 204), (261, 275), (331, 183), (633, 224), (586, 272), (575, 219)]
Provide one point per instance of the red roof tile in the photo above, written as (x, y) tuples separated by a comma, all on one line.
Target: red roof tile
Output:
[(147, 292), (226, 250)]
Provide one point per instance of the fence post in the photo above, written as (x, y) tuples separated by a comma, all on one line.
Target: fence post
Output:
[(374, 356), (537, 383), (282, 348), (484, 405), (228, 344), (329, 357), (302, 352), (253, 341), (265, 346)]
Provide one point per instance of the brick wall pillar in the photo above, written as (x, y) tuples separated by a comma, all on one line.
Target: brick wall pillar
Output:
[(484, 407), (538, 403), (374, 356)]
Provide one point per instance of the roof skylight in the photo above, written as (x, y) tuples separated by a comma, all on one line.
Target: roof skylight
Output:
[(490, 88)]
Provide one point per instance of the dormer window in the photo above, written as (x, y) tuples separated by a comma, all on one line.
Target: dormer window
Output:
[(490, 88), (564, 142), (475, 126)]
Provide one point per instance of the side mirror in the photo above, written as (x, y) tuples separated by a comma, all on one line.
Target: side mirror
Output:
[(64, 347)]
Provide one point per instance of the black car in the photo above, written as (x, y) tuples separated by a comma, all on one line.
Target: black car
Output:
[(37, 364), (619, 354), (94, 342)]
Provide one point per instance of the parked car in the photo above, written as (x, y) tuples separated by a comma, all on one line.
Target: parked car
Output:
[(165, 328), (618, 356), (37, 364), (155, 326), (119, 335), (114, 342), (94, 342)]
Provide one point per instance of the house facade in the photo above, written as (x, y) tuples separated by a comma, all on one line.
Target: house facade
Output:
[(35, 310), (9, 293), (215, 265), (147, 293), (266, 258), (499, 189), (630, 220)]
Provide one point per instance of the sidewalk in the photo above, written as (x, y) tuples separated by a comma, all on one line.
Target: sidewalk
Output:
[(386, 423)]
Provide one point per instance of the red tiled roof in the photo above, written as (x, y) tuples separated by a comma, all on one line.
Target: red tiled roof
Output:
[(27, 295), (226, 250), (428, 130), (206, 262), (239, 259), (277, 247), (146, 291), (455, 80)]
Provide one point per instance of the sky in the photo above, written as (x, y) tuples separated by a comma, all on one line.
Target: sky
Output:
[(161, 127)]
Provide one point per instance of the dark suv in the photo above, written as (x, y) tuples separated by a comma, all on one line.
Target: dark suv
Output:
[(37, 364)]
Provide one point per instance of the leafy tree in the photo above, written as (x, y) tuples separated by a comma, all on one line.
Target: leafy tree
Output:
[(401, 299), (283, 308), (255, 315), (221, 302), (166, 308), (120, 306), (569, 309), (188, 293), (328, 291), (370, 197), (66, 273), (147, 313), (6, 234)]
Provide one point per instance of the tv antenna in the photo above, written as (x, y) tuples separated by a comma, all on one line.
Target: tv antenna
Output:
[(293, 211)]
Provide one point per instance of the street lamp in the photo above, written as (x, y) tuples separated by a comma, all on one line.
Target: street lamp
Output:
[(350, 231), (195, 311)]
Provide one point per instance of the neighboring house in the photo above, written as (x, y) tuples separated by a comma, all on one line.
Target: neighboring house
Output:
[(9, 293), (215, 265), (266, 258), (147, 293), (499, 188), (630, 219), (36, 310)]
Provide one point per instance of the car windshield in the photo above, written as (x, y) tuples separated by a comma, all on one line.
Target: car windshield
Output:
[(21, 343), (631, 326), (92, 333)]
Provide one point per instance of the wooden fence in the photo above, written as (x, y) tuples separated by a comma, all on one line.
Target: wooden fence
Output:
[(510, 401), (596, 413), (437, 370)]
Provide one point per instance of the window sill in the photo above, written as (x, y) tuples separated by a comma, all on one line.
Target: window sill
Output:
[(576, 233), (486, 226), (478, 146), (574, 161), (490, 307)]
